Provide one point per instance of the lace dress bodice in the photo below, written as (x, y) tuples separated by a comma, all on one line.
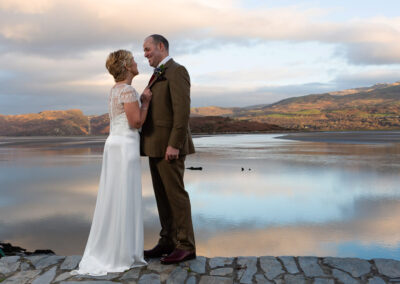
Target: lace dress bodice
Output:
[(119, 95)]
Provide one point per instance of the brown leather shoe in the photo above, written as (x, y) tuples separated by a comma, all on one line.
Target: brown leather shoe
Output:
[(158, 251), (178, 255)]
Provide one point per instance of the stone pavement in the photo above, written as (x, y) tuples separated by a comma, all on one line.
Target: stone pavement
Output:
[(44, 269)]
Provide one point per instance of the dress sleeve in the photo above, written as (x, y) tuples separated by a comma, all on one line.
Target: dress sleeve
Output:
[(128, 95)]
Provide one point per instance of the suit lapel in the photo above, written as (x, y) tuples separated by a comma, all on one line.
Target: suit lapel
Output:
[(153, 80)]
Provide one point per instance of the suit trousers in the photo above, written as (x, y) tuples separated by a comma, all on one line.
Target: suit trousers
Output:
[(173, 203)]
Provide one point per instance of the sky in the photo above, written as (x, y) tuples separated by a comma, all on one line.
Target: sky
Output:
[(238, 53)]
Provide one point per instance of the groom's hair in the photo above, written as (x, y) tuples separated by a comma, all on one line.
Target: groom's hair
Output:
[(159, 38)]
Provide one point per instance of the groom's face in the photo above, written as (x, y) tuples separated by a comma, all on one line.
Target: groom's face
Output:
[(152, 52)]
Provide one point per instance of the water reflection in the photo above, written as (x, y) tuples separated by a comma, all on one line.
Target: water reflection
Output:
[(291, 198)]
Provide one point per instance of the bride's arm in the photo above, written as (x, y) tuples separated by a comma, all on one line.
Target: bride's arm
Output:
[(137, 115)]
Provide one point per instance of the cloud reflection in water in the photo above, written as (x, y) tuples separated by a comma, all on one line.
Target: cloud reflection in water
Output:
[(299, 198)]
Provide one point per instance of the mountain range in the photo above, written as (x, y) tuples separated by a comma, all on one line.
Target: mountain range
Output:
[(74, 123), (370, 108)]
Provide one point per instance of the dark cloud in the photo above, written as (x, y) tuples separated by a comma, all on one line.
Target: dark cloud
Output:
[(373, 53)]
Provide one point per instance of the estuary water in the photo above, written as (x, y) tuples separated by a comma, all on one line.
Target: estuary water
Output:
[(322, 194)]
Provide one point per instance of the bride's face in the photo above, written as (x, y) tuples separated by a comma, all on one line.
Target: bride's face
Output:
[(133, 68)]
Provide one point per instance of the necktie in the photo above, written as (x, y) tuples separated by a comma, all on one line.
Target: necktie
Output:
[(152, 77), (157, 72)]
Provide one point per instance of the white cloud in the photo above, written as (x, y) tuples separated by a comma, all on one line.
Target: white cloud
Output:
[(75, 26), (26, 7), (56, 49)]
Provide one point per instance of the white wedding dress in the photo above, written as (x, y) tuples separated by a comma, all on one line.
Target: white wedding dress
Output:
[(115, 241)]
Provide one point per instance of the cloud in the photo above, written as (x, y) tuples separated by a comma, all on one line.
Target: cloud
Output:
[(26, 7), (258, 94), (367, 77), (374, 53), (62, 26), (54, 51)]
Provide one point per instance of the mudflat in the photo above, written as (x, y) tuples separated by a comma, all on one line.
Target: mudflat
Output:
[(350, 137)]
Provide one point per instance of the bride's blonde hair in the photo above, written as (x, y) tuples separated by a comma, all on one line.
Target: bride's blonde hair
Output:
[(117, 62)]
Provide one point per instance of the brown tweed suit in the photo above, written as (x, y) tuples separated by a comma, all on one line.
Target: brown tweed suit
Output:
[(167, 124)]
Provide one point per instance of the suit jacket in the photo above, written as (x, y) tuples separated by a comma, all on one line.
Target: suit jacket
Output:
[(167, 122)]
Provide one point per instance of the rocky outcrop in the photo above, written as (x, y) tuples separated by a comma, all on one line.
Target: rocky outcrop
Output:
[(48, 123)]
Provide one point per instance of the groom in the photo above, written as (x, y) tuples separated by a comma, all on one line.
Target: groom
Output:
[(166, 140)]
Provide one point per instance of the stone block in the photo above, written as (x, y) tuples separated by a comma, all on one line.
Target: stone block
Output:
[(9, 264), (220, 262), (48, 260), (46, 277), (249, 268), (150, 279), (63, 276), (388, 267), (215, 280), (71, 262), (323, 281), (133, 273), (294, 279), (25, 266), (198, 264), (260, 279), (376, 280), (223, 271), (177, 276), (271, 267), (191, 280), (156, 265), (22, 277), (310, 266), (290, 264), (344, 277), (355, 266), (87, 282)]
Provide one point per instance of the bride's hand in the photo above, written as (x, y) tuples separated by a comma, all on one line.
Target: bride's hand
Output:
[(146, 96)]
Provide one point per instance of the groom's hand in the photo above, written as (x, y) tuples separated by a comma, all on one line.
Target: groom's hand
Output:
[(171, 153)]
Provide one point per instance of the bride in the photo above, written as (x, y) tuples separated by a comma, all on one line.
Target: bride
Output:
[(115, 241)]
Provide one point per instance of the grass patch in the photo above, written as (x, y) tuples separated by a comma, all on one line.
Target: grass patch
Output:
[(382, 114), (308, 112), (280, 115)]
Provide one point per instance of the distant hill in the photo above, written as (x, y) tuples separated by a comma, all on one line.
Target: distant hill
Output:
[(218, 124), (100, 125), (75, 123), (212, 111), (371, 108), (52, 123)]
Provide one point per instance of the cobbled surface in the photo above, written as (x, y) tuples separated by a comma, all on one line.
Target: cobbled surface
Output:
[(41, 269)]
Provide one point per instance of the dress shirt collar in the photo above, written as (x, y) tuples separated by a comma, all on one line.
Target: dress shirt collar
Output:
[(165, 60)]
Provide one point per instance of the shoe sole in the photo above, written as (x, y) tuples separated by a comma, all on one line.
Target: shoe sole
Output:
[(189, 257), (156, 256)]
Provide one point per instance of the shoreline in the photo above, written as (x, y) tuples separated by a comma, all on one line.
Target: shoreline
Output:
[(347, 137), (50, 268), (350, 137)]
